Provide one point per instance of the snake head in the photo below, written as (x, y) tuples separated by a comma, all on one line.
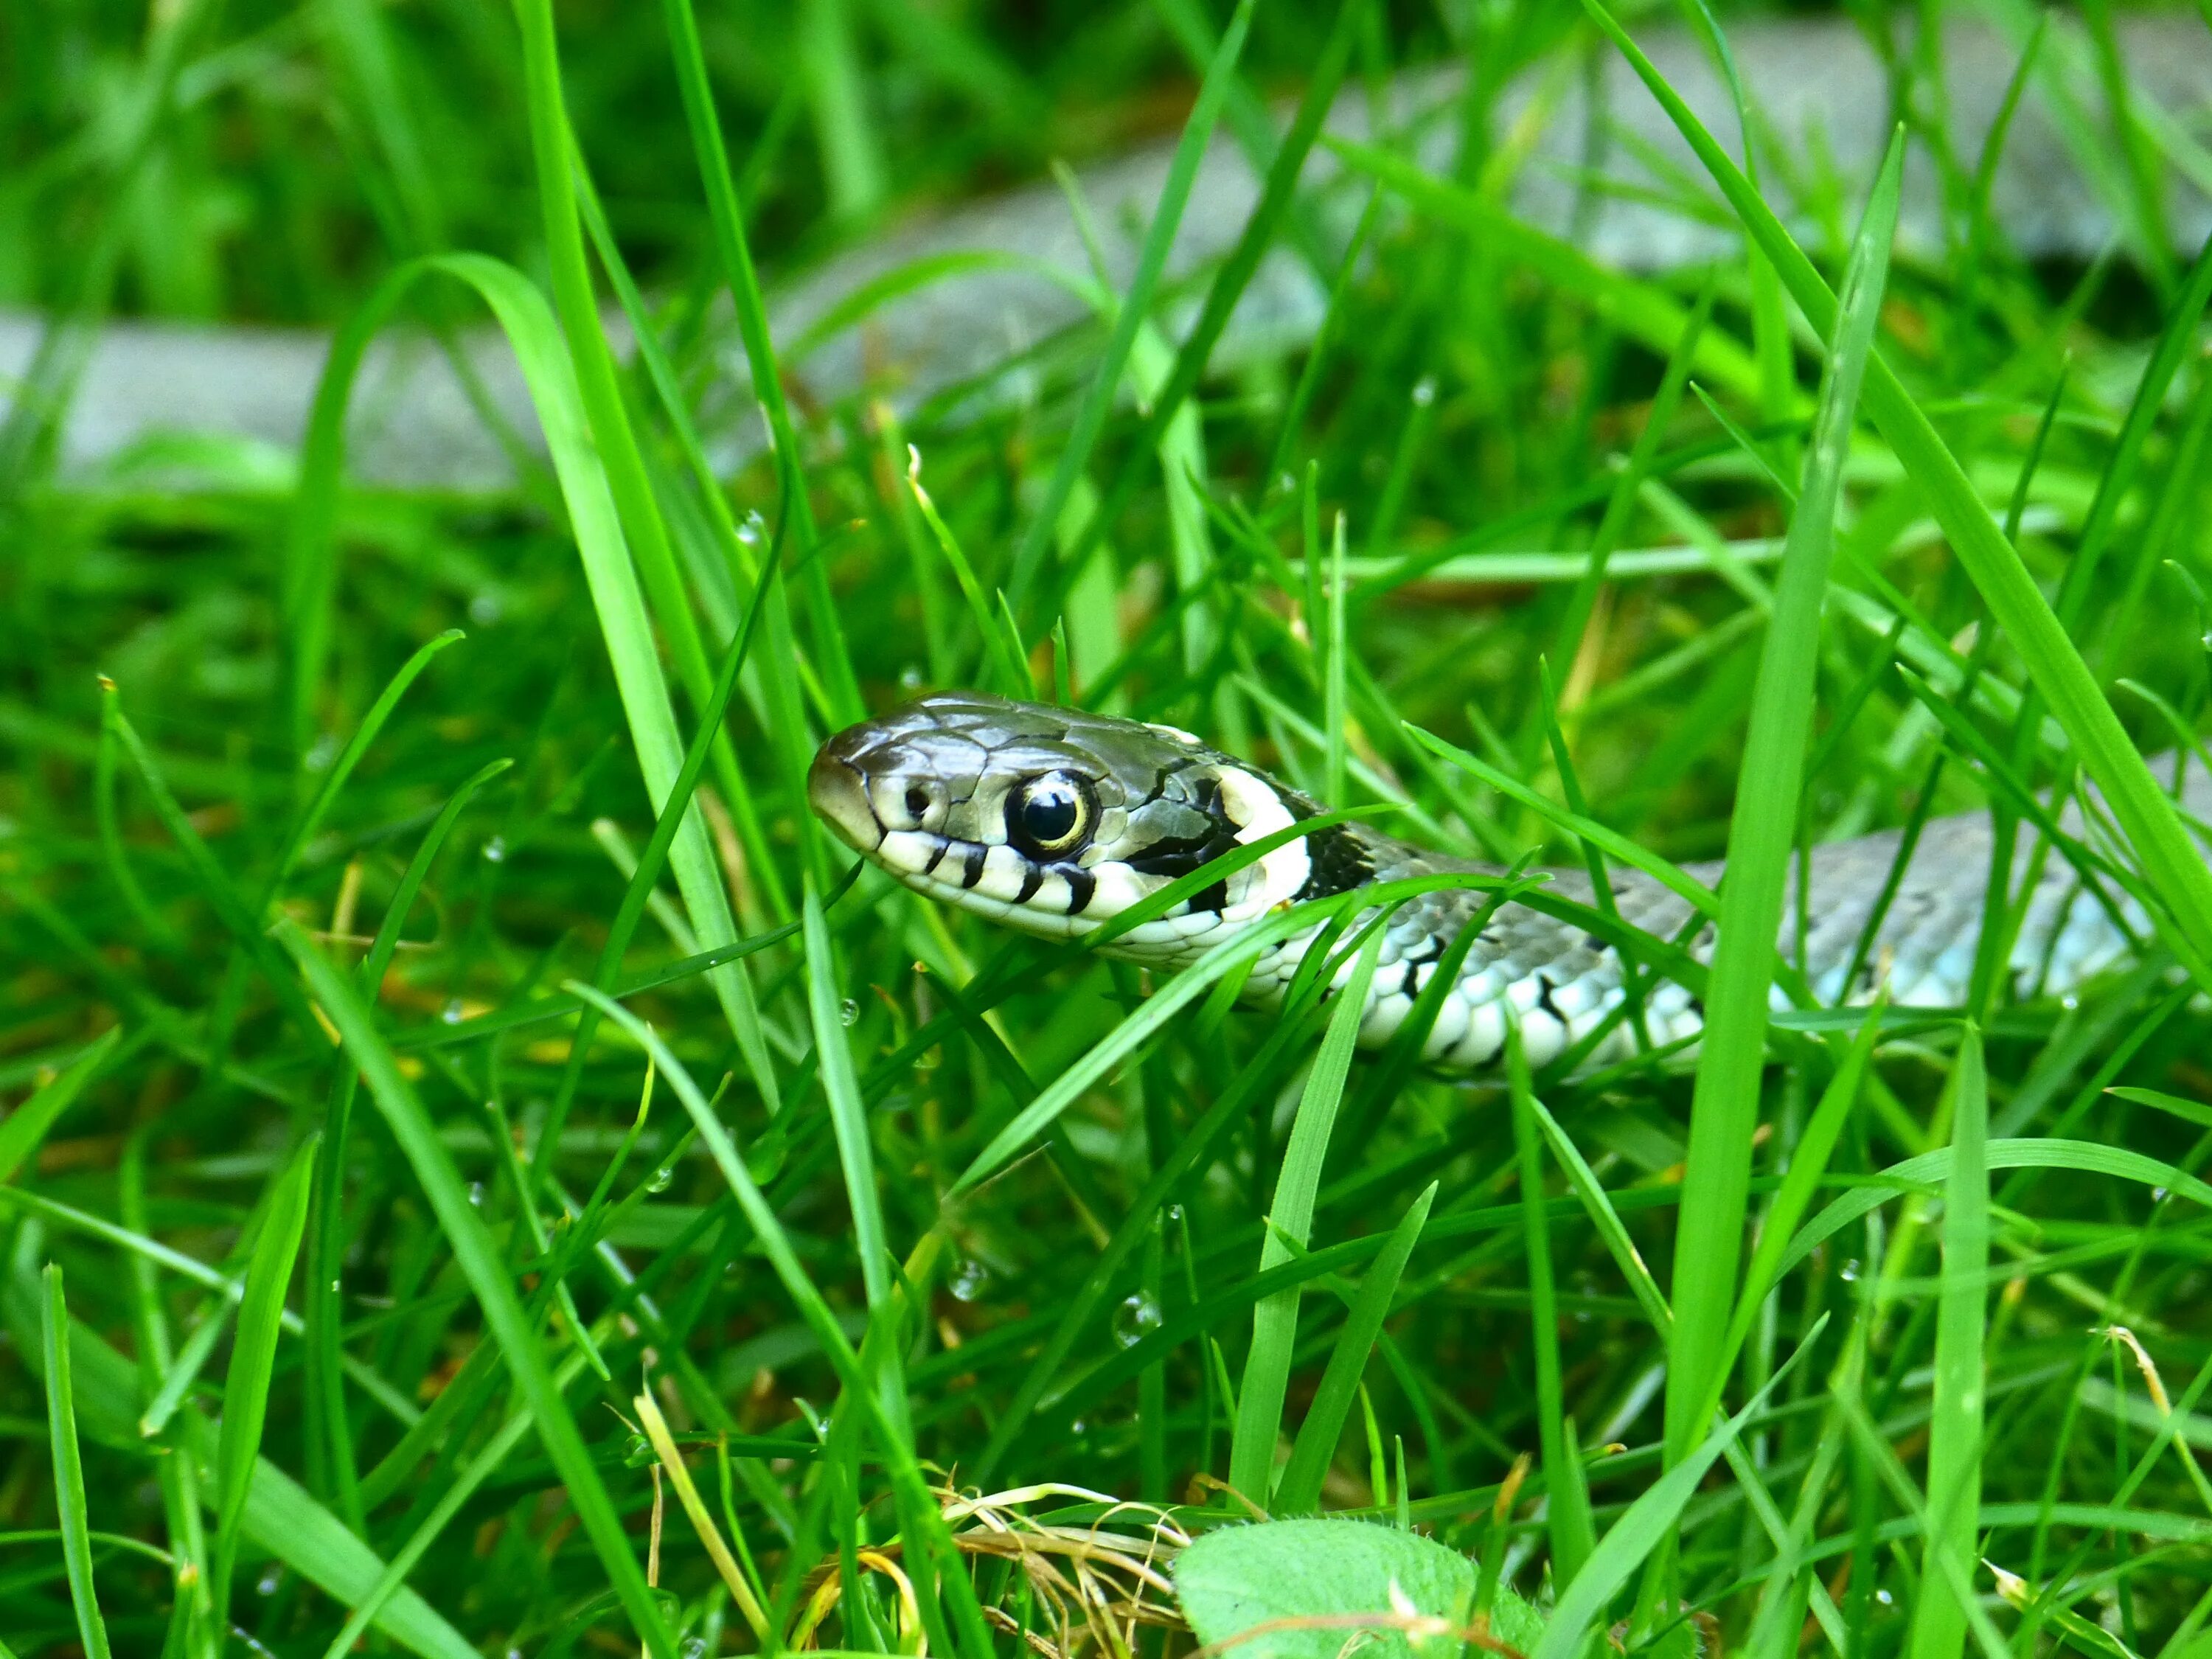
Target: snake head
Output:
[(1055, 821)]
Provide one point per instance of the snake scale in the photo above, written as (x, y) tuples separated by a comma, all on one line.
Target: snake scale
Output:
[(1055, 821)]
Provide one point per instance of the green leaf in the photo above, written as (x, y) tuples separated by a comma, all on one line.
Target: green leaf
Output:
[(1344, 1576), (253, 1360)]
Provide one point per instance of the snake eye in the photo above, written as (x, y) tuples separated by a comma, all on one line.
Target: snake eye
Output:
[(1049, 816)]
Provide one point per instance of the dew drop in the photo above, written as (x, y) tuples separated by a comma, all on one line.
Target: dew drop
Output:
[(495, 850), (753, 529), (1885, 1598), (451, 1013), (476, 1195), (1852, 1271), (968, 1280), (661, 1180), (267, 1583), (1137, 1316), (1424, 391), (2158, 1195), (1174, 1214), (322, 754), (911, 677), (849, 1011), (695, 1647)]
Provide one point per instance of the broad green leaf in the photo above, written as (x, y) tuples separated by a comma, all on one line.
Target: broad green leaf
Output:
[(1346, 1577)]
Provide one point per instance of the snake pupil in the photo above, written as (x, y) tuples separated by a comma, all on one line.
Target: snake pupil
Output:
[(1049, 813), (917, 803)]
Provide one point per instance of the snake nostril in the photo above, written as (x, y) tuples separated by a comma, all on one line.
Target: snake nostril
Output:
[(917, 800)]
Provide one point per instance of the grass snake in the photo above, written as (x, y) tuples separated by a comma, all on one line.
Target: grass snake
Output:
[(1055, 821)]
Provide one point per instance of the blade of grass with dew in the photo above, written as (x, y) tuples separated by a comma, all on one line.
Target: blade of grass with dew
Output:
[(1299, 1489), (918, 1507), (782, 713), (1261, 1393), (1725, 1105), (328, 1431), (644, 879), (23, 1130), (1136, 306), (639, 523), (2168, 855), (849, 1116), (1929, 1169), (1641, 1527), (69, 1499), (1955, 1427), (535, 337), (645, 530), (480, 1260), (1573, 1534), (734, 252), (253, 1372), (1808, 1163), (1190, 1148)]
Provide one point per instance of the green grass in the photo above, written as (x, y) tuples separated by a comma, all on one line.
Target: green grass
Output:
[(425, 1170)]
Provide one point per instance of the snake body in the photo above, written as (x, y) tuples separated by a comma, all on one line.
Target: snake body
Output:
[(1055, 821)]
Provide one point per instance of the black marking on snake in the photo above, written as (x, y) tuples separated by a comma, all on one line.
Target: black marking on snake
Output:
[(1214, 898), (1032, 879), (937, 856), (1082, 885), (1544, 989), (1406, 986), (1338, 861), (973, 871)]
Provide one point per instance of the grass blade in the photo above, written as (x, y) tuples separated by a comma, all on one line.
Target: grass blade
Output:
[(1136, 307), (1954, 1431), (253, 1362), (1573, 1536), (849, 1116), (1290, 1221), (918, 1506), (69, 1470), (1640, 1530), (24, 1129), (1299, 1489), (1724, 1106), (480, 1259), (2169, 857)]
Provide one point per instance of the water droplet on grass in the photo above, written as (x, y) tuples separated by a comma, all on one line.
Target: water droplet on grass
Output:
[(661, 1180), (849, 1011), (1137, 1316), (968, 1279), (495, 850)]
